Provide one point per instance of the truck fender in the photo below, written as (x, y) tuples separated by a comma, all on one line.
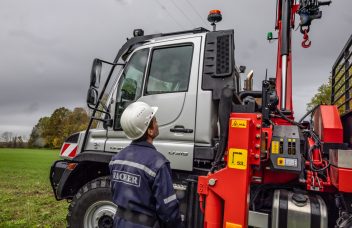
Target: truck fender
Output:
[(90, 165)]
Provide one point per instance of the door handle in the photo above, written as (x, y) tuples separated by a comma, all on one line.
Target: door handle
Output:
[(116, 148), (181, 129)]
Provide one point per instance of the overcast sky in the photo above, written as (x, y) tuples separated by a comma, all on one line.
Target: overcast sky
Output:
[(47, 46)]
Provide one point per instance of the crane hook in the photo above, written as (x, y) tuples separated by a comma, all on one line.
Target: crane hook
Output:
[(306, 42)]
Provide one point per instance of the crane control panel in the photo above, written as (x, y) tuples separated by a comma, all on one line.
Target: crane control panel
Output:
[(285, 148)]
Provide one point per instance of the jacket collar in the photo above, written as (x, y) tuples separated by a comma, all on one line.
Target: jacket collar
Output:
[(143, 143)]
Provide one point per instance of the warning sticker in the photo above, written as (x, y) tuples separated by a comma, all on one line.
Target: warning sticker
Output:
[(237, 158), (289, 162), (275, 147), (281, 161), (239, 123)]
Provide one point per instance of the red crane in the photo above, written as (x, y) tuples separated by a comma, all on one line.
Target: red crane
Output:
[(251, 146)]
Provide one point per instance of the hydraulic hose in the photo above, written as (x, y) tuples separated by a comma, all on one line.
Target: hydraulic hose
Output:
[(289, 120), (225, 105), (309, 112)]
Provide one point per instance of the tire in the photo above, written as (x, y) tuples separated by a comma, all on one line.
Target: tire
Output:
[(92, 206)]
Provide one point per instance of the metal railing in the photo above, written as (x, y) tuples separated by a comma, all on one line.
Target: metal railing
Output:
[(341, 91)]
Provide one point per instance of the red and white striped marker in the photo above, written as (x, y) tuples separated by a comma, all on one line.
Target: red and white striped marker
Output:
[(69, 150)]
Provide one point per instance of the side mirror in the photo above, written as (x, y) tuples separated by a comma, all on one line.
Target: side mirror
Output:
[(95, 73), (92, 96)]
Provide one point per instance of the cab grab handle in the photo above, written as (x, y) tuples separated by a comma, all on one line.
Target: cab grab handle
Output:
[(181, 129)]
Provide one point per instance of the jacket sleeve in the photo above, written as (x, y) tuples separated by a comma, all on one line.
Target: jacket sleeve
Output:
[(167, 206)]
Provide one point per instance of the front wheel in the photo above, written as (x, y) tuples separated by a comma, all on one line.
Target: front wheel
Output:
[(92, 206)]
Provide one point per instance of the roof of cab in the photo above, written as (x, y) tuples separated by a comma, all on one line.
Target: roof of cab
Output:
[(155, 37)]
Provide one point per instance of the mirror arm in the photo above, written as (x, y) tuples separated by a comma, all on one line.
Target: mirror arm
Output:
[(112, 64), (106, 122), (95, 109), (98, 110)]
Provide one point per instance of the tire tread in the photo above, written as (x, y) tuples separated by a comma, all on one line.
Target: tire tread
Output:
[(101, 182)]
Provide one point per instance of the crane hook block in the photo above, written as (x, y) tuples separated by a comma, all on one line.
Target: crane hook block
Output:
[(306, 42)]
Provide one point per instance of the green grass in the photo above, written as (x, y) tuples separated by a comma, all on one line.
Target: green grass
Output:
[(26, 197)]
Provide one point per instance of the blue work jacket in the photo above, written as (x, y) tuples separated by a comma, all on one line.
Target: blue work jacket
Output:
[(141, 182)]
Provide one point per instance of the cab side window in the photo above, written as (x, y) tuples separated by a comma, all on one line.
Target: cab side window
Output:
[(130, 84), (169, 70)]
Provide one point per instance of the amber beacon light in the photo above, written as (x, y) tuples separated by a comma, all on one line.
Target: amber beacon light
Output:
[(214, 17)]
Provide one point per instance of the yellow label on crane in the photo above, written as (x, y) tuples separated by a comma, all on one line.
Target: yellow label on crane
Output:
[(232, 225), (275, 147), (237, 158), (235, 123), (281, 161)]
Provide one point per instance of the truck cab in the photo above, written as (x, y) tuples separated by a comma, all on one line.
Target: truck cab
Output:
[(165, 73), (183, 74)]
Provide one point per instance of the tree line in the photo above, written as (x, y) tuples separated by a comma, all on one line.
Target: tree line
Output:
[(322, 96), (50, 132), (8, 139)]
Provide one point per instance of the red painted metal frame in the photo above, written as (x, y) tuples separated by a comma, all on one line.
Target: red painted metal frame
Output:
[(327, 124), (227, 190), (341, 178)]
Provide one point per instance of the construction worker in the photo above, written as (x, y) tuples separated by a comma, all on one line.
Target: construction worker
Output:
[(141, 176)]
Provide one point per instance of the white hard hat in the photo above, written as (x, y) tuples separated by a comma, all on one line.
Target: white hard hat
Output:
[(135, 119)]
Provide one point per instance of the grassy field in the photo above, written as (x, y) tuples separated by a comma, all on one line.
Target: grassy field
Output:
[(26, 198)]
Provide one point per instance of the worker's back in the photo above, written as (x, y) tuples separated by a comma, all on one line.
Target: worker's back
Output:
[(141, 189)]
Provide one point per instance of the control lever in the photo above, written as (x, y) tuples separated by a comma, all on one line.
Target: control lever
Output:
[(181, 129)]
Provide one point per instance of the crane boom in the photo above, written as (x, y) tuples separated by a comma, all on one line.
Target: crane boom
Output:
[(285, 22)]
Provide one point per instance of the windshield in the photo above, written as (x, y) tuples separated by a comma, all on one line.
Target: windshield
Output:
[(130, 83)]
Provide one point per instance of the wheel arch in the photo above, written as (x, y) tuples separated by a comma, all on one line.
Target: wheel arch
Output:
[(90, 165)]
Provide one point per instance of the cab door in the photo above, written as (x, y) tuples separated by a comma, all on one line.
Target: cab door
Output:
[(170, 83)]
